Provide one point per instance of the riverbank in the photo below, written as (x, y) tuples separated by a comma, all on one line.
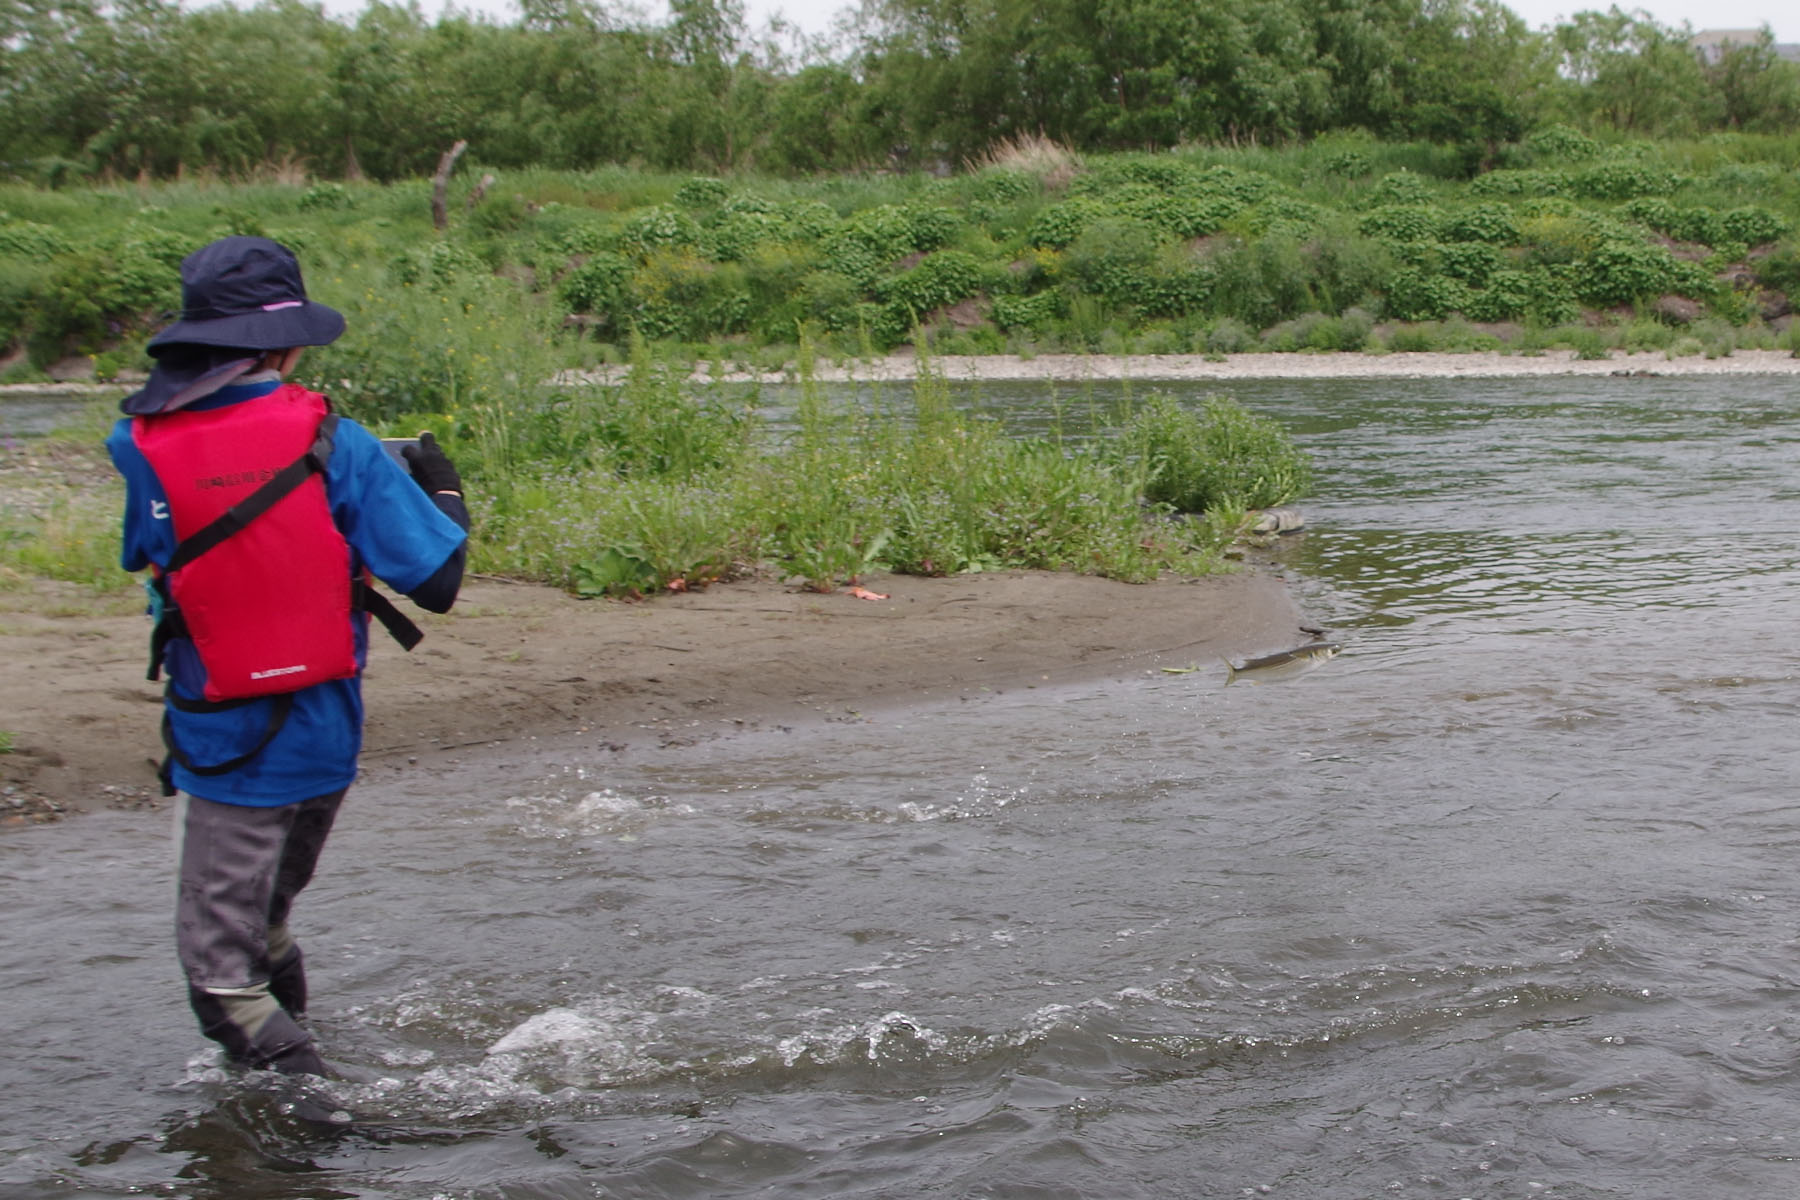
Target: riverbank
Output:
[(516, 661), (904, 365)]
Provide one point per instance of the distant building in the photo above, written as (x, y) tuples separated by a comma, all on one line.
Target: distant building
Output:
[(1713, 43)]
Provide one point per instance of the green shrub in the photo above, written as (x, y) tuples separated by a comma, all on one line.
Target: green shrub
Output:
[(1529, 182), (1491, 223), (1230, 336), (1622, 180), (1781, 269), (702, 192), (1400, 189), (939, 279), (1752, 225), (97, 296), (655, 229), (1034, 312), (830, 299), (931, 227), (1061, 223), (601, 285), (1559, 143), (1620, 272), (1506, 296), (1402, 223), (1110, 257), (1417, 294), (32, 241), (1222, 455)]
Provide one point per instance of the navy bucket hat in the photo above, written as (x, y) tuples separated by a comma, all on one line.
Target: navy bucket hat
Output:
[(240, 296), (246, 293)]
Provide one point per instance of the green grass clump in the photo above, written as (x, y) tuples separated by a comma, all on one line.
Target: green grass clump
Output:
[(1221, 457)]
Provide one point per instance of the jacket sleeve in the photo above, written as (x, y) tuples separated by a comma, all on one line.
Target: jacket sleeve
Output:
[(414, 543), (438, 592)]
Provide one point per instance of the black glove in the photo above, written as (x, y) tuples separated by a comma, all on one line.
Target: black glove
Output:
[(431, 467)]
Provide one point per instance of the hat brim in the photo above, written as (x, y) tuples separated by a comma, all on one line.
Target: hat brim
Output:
[(308, 323)]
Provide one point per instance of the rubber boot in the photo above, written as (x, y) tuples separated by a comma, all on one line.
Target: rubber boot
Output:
[(287, 983), (255, 1031)]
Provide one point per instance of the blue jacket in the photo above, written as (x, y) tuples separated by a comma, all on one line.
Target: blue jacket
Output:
[(392, 528)]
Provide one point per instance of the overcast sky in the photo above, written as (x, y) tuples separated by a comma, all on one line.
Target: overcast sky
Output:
[(816, 16), (1782, 16)]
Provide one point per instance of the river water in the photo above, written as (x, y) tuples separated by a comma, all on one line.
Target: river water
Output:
[(1501, 902)]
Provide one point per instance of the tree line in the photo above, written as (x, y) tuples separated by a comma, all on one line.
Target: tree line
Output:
[(149, 88)]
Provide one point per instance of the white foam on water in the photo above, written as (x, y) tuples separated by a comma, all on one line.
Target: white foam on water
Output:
[(603, 813)]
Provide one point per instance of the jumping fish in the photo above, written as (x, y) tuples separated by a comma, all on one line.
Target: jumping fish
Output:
[(1285, 665)]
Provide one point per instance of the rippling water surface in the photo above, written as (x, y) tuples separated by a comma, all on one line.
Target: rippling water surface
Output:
[(1498, 903)]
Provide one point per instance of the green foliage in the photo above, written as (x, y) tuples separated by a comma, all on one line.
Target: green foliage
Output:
[(1061, 223), (1560, 144), (939, 279), (1401, 188), (702, 193), (1027, 312), (1222, 455), (1401, 223), (601, 285), (1529, 182), (325, 196), (73, 538), (1111, 256), (1621, 272), (1622, 179), (32, 241), (1492, 223), (92, 296), (1420, 294)]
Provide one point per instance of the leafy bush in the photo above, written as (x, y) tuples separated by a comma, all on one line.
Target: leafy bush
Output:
[(1111, 256), (1620, 272), (1528, 182), (1223, 455), (1492, 223), (32, 241), (658, 228), (830, 299), (1506, 296), (107, 293), (1230, 336), (1781, 269), (325, 197), (931, 226), (600, 285), (702, 192), (1752, 226), (1027, 312), (1622, 180), (1402, 223), (1471, 262), (939, 279), (678, 294), (1417, 294), (1400, 188), (1061, 223), (1559, 143)]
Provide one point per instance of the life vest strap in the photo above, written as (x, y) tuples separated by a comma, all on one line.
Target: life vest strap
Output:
[(235, 518), (279, 707), (364, 598)]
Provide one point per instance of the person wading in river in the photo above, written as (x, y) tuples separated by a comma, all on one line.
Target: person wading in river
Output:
[(262, 516)]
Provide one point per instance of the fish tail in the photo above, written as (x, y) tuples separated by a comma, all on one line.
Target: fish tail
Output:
[(1230, 671)]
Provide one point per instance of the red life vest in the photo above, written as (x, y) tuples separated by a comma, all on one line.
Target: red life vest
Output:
[(267, 601)]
